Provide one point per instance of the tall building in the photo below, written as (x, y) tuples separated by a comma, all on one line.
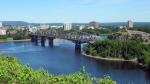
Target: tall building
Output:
[(130, 24), (94, 24), (1, 25), (67, 26)]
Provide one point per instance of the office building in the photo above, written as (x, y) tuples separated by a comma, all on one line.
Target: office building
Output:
[(67, 26), (130, 24)]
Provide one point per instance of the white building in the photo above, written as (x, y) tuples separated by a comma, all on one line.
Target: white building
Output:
[(67, 26), (91, 27), (2, 32), (1, 25), (33, 29), (44, 26), (56, 27), (122, 27), (81, 27)]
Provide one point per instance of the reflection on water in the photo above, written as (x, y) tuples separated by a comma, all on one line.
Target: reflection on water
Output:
[(61, 59), (118, 64), (147, 76)]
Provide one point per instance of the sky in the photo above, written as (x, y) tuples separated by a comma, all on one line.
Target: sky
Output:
[(51, 11)]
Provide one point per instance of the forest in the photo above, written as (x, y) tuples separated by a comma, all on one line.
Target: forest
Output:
[(126, 50)]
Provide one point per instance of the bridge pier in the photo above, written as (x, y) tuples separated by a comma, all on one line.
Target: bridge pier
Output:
[(32, 38), (43, 39), (36, 39), (51, 41), (76, 37), (78, 47)]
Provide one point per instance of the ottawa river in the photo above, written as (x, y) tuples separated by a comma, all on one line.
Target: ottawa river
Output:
[(62, 59)]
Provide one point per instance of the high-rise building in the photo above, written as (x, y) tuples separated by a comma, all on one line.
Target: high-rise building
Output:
[(94, 24), (130, 24), (67, 26)]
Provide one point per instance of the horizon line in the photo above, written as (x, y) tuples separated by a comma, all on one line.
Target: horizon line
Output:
[(70, 21)]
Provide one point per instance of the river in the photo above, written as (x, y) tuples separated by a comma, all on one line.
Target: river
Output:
[(62, 59)]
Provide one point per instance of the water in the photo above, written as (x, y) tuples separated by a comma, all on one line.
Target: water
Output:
[(63, 60)]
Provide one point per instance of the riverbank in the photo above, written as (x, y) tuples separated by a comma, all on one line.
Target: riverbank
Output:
[(11, 40), (109, 59), (119, 60)]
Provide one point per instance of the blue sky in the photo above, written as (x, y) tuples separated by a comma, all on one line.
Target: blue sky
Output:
[(75, 10)]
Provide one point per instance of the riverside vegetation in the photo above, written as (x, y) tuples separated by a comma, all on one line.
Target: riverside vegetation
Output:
[(15, 34), (116, 49), (12, 72)]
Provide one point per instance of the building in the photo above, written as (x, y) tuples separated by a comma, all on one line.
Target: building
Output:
[(44, 26), (82, 27), (1, 25), (56, 27), (94, 24), (12, 32), (122, 27), (32, 29), (90, 27), (2, 32), (67, 26), (130, 24)]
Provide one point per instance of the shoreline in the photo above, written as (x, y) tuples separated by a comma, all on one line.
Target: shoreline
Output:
[(15, 40), (141, 65), (109, 59)]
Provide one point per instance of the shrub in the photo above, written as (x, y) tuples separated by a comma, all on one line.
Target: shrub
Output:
[(12, 72)]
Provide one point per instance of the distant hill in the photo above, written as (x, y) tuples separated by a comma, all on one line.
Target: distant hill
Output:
[(20, 23), (143, 24), (136, 24), (23, 23)]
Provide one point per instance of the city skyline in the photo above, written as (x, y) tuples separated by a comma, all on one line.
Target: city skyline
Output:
[(83, 11)]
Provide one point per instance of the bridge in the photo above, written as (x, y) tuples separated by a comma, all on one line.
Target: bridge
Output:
[(76, 37)]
